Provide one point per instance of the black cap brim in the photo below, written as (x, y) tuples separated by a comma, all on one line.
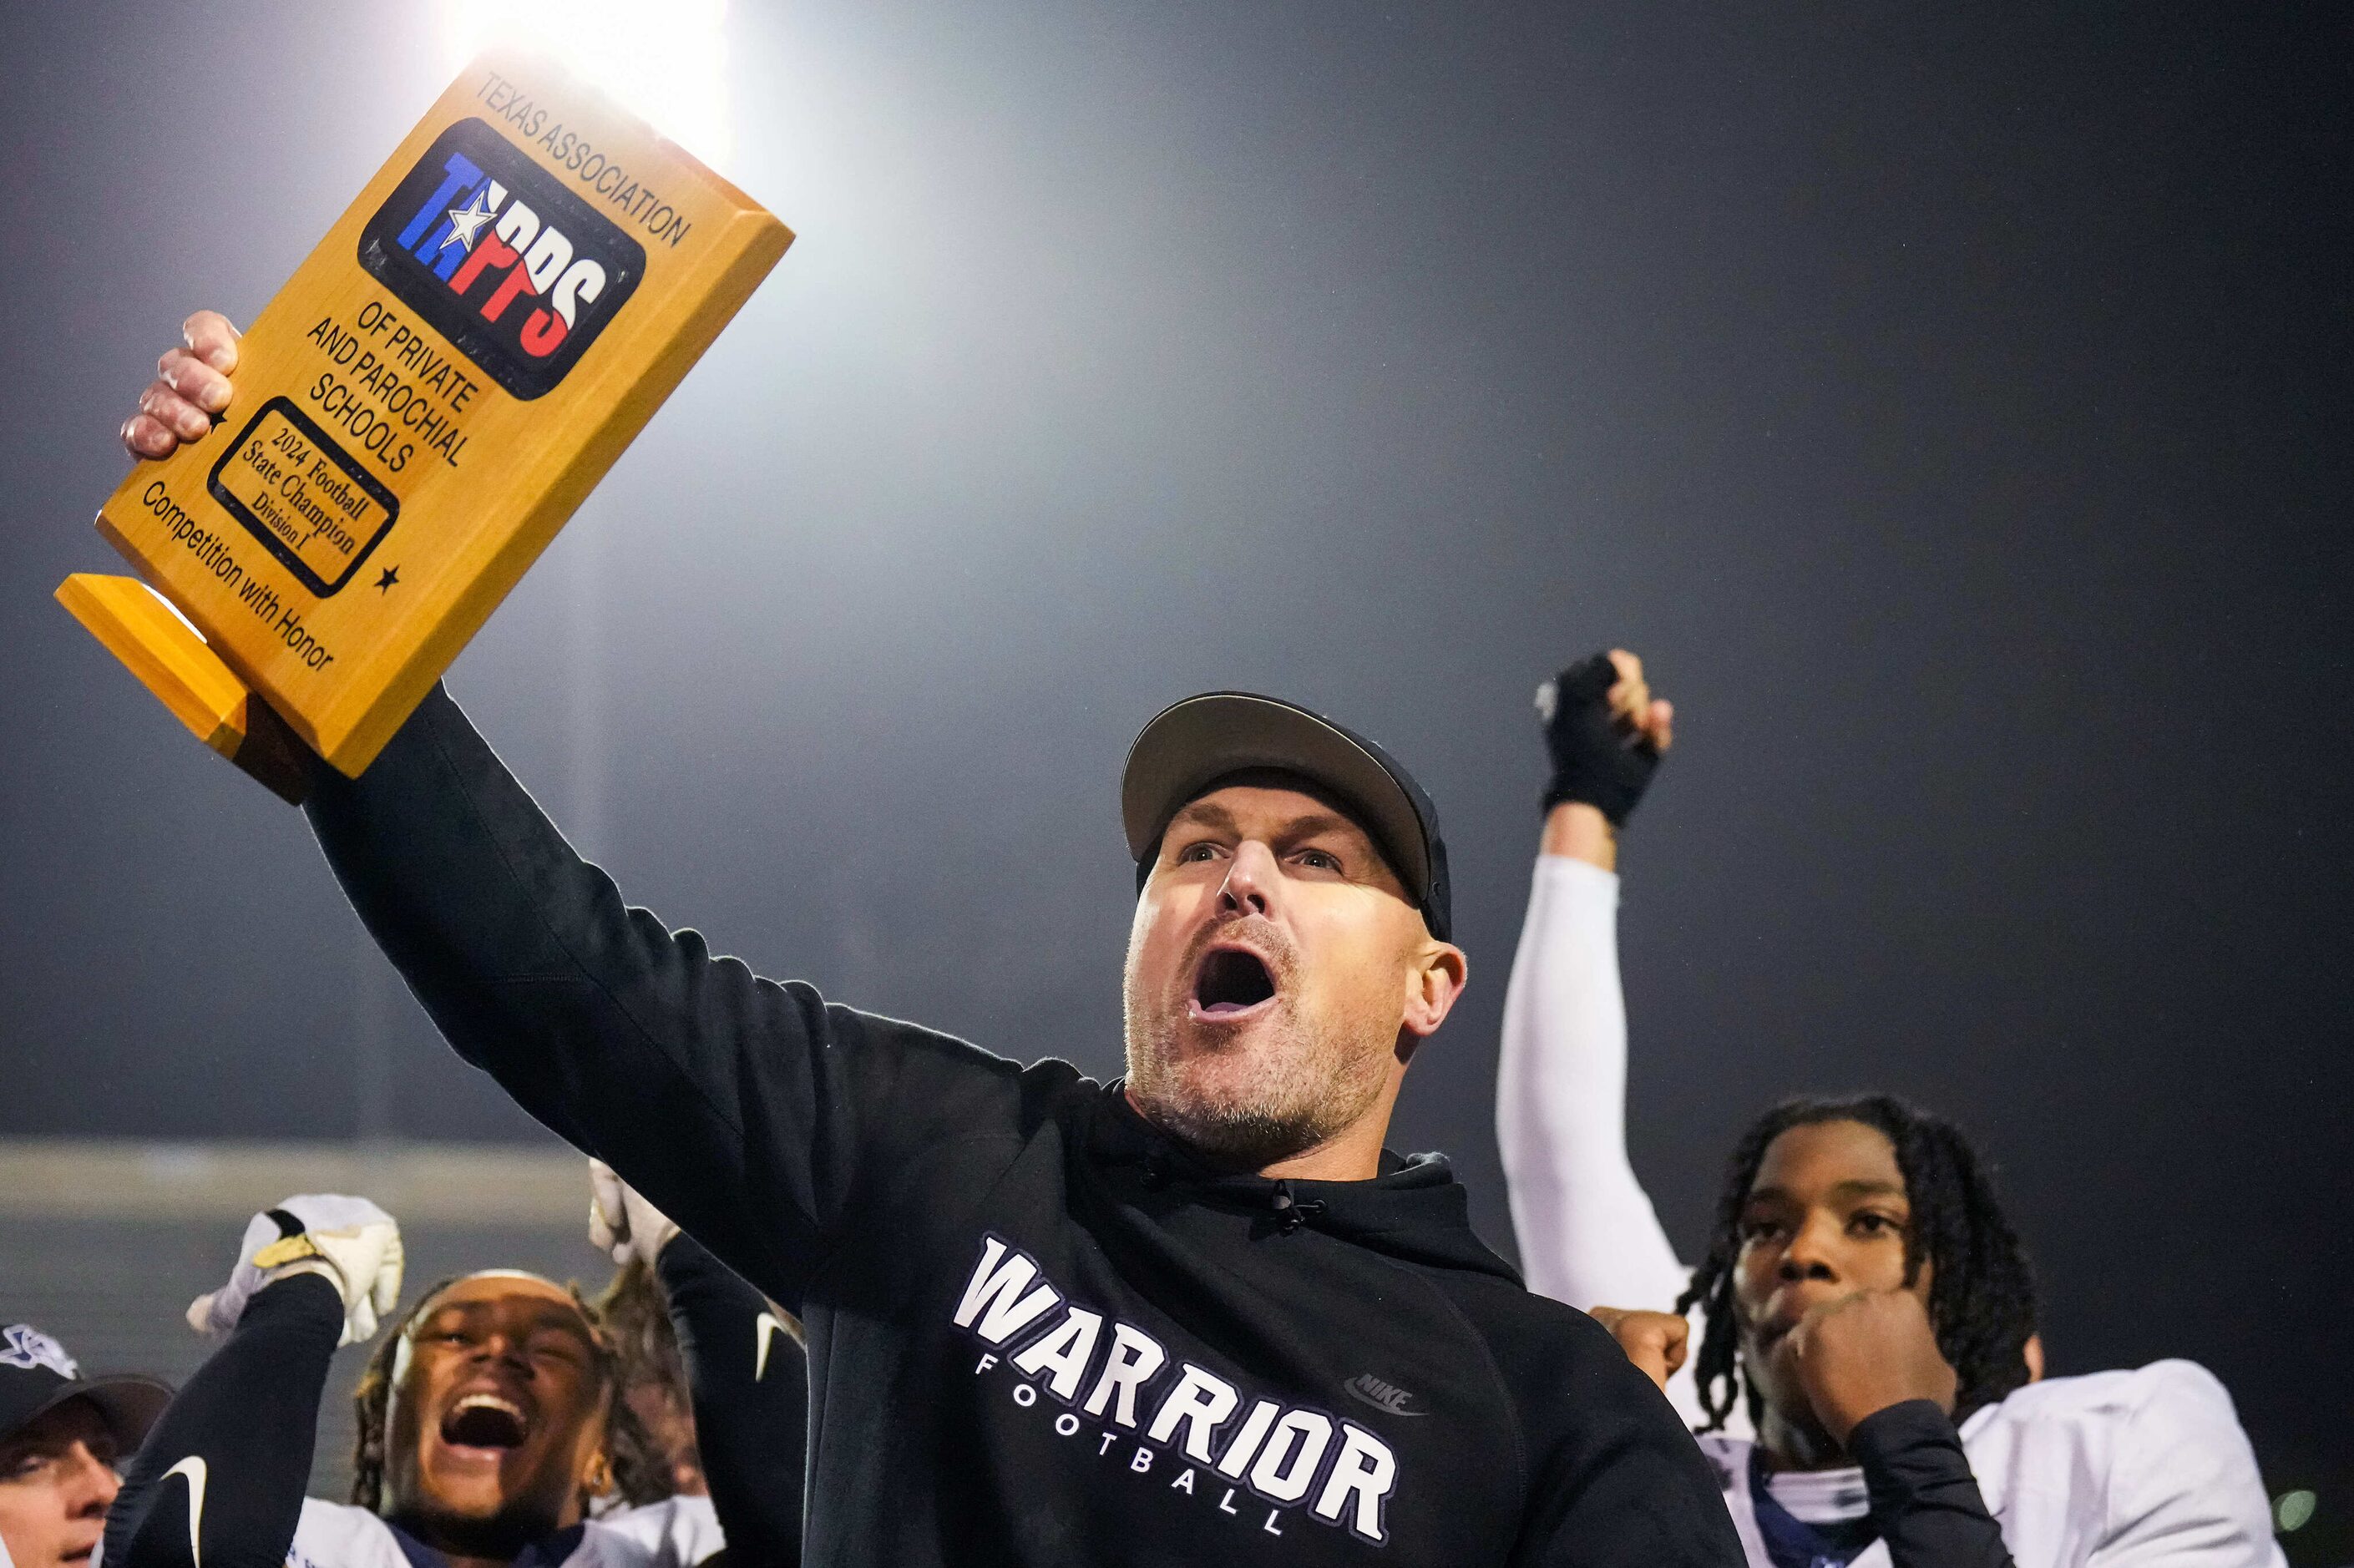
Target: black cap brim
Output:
[(1192, 744), (128, 1404)]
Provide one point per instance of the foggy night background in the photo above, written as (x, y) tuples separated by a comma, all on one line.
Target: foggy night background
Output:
[(1952, 409)]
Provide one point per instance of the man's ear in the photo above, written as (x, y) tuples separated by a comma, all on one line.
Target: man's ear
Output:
[(1432, 986)]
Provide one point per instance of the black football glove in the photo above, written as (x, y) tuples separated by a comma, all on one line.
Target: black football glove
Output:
[(1594, 760)]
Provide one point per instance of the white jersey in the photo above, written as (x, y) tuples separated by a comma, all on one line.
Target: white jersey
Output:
[(676, 1533), (2124, 1468)]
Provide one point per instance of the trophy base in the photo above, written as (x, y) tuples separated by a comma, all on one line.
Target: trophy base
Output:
[(139, 626)]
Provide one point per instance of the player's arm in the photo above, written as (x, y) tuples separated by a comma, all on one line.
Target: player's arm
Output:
[(1587, 1232), (218, 1483), (741, 1106), (1926, 1502), (748, 1378), (747, 1373)]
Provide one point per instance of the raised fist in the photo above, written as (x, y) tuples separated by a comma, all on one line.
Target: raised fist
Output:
[(1864, 1352), (1657, 1342), (349, 1241), (1604, 731), (621, 1224)]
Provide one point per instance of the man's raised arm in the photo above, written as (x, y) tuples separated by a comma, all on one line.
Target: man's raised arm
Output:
[(737, 1103), (719, 1091)]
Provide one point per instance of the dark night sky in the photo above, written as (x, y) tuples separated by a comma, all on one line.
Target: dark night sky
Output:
[(1955, 412)]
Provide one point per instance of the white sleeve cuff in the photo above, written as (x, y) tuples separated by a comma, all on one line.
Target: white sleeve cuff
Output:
[(1571, 877)]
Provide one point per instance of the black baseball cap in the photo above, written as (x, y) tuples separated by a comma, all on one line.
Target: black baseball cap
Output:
[(1191, 746), (36, 1376)]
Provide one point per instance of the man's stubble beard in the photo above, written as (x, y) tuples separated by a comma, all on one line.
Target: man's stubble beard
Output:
[(1302, 1081)]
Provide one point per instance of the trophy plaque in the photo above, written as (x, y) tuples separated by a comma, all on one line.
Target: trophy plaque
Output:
[(416, 413)]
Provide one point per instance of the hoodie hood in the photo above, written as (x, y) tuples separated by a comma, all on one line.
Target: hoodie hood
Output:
[(1413, 1211)]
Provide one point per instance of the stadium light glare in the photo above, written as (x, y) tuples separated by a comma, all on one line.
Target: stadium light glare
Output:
[(665, 59)]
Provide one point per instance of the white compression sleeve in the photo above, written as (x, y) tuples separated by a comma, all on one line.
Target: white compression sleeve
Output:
[(1587, 1231)]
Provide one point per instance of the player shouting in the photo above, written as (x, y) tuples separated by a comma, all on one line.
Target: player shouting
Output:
[(491, 1428), (1866, 1380), (1194, 1314)]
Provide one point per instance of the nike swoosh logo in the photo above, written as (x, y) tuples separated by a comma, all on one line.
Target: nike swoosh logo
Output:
[(764, 1328), (1380, 1396), (193, 1466)]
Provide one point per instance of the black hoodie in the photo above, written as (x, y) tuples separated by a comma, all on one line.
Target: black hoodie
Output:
[(1038, 1331)]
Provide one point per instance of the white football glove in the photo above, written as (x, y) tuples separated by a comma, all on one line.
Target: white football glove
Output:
[(621, 1224), (348, 1240)]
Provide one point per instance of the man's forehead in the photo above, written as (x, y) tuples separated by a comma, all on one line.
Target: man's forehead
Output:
[(511, 1292), (1836, 1152), (1850, 1190), (1274, 805)]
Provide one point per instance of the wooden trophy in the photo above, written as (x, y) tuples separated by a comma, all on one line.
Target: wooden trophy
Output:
[(415, 415)]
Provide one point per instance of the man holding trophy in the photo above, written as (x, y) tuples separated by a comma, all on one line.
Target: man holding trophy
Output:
[(1198, 1312), (1192, 1315)]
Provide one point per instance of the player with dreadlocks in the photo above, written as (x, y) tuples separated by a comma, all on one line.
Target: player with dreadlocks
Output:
[(1956, 1247), (492, 1429), (1869, 1382)]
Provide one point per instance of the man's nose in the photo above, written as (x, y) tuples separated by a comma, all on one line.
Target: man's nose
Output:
[(1810, 1254), (1251, 878), (91, 1483), (497, 1347)]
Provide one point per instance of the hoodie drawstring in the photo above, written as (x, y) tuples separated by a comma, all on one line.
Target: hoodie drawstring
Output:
[(1293, 1213)]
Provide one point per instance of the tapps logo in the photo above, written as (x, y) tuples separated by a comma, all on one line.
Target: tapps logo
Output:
[(22, 1345), (492, 251)]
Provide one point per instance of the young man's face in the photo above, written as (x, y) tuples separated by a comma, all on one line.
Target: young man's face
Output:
[(1827, 1218), (497, 1416), (57, 1478), (1277, 977)]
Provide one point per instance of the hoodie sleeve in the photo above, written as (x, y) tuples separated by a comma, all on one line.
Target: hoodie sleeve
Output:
[(746, 1109), (218, 1483), (1587, 1232), (748, 1380), (1615, 1481)]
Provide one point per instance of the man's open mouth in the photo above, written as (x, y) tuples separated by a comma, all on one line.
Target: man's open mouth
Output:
[(486, 1420), (1231, 981)]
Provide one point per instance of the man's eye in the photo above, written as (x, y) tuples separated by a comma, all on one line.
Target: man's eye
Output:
[(1196, 853), (1759, 1230), (1873, 1224), (1319, 860)]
